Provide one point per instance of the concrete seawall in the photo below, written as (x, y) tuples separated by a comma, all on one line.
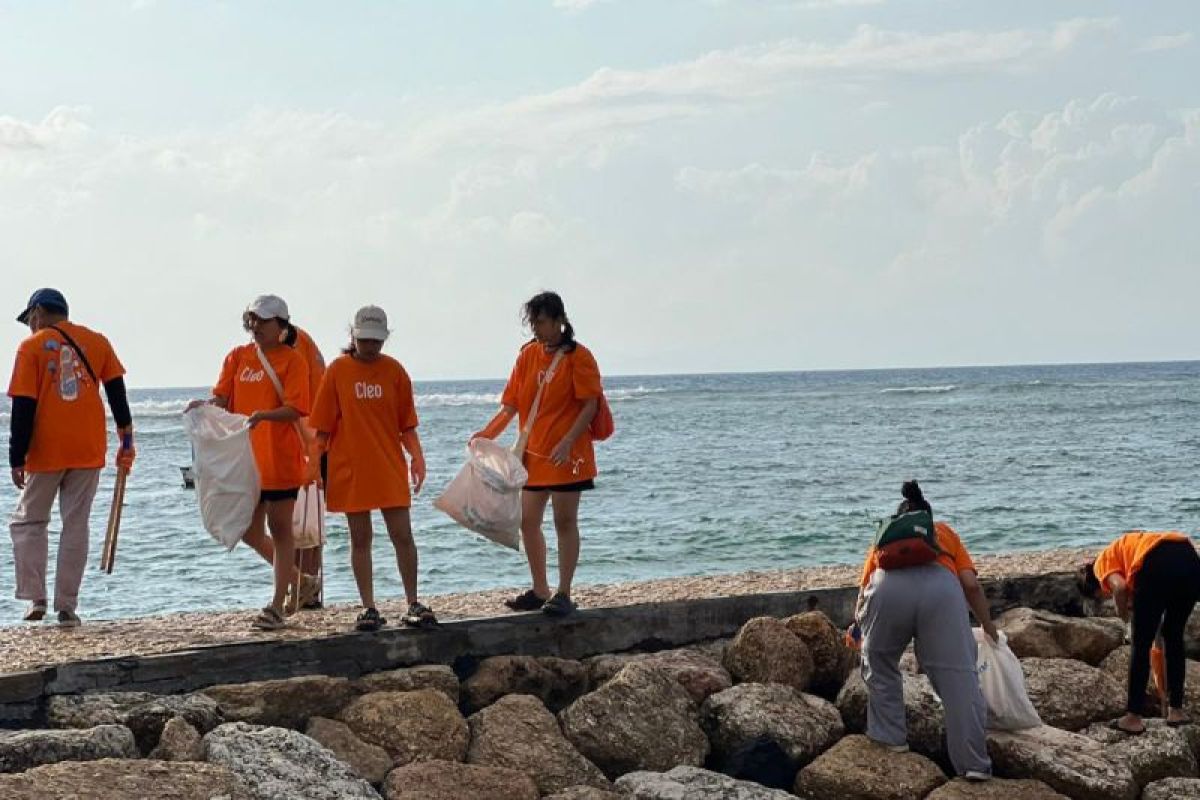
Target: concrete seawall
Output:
[(463, 643)]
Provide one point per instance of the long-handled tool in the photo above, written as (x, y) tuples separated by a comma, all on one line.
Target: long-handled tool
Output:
[(108, 556)]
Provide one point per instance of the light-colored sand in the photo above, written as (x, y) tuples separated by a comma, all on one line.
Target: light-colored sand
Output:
[(25, 646)]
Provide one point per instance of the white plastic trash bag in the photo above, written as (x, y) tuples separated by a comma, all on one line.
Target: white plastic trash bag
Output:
[(308, 517), (485, 495), (227, 483), (1003, 685)]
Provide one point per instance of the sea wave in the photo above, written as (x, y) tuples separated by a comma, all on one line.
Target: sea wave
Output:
[(949, 387)]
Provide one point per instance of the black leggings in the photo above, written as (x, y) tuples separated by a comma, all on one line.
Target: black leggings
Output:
[(1166, 590)]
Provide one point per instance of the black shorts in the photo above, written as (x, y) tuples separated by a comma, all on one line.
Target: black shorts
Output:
[(271, 495), (578, 486)]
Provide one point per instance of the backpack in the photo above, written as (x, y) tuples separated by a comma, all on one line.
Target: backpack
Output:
[(907, 540)]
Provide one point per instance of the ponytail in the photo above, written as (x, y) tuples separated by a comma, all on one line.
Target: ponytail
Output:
[(914, 498)]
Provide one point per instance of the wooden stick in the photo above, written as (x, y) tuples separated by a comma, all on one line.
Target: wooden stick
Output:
[(108, 555)]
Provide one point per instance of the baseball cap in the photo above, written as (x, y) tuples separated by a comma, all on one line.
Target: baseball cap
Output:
[(370, 322), (50, 298), (268, 306)]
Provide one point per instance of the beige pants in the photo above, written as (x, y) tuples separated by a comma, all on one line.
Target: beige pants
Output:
[(76, 488)]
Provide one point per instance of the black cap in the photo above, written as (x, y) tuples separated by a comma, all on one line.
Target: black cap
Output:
[(47, 298)]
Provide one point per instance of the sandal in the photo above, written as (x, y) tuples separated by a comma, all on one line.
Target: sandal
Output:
[(526, 601), (369, 621), (269, 619), (1116, 726), (419, 615), (36, 611), (1179, 723), (559, 605)]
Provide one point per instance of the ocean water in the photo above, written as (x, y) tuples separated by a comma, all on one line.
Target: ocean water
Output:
[(721, 473)]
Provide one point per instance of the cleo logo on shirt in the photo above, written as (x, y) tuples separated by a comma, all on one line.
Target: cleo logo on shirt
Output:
[(367, 391), (251, 376)]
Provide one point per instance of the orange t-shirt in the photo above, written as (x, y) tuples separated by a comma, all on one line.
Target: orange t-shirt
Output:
[(575, 380), (278, 451), (954, 555), (306, 347), (69, 428), (364, 407), (1124, 556)]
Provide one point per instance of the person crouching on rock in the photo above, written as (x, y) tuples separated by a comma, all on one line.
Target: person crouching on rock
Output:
[(1154, 579), (366, 416), (926, 601)]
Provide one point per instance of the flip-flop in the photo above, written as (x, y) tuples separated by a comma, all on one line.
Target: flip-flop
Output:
[(1116, 726), (1179, 723)]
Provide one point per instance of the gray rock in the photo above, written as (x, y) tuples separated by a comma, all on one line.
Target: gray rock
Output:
[(148, 719), (582, 793), (765, 651), (700, 674), (692, 783), (995, 789), (143, 713), (286, 703), (410, 679), (858, 769), (1173, 789), (640, 720), (517, 732), (22, 750), (1161, 752), (765, 732), (114, 779), (922, 707), (450, 780), (411, 726), (831, 658), (1068, 762), (90, 710), (370, 762), (557, 682), (1071, 695), (1034, 633), (179, 741), (1116, 664), (282, 764)]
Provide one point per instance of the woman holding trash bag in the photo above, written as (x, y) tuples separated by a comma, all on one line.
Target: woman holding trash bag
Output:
[(927, 602), (558, 454), (247, 385), (366, 417), (1154, 579)]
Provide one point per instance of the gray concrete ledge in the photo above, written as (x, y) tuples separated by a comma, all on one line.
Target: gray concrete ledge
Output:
[(462, 643)]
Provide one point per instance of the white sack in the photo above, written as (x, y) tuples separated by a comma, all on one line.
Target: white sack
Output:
[(485, 496), (1003, 685), (227, 483)]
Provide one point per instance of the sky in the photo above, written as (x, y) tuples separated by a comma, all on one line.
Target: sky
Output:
[(712, 185)]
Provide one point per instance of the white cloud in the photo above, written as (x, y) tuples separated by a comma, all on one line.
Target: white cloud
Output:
[(1170, 41), (576, 5)]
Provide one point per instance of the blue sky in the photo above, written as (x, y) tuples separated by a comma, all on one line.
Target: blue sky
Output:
[(713, 186)]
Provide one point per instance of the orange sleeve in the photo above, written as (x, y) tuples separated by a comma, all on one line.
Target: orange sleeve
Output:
[(1111, 561), (953, 547), (586, 375), (24, 381), (296, 392), (325, 410), (224, 384), (407, 405), (110, 367), (869, 567), (512, 389)]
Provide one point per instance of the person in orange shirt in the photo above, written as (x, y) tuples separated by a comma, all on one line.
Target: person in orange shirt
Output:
[(245, 386), (559, 455), (58, 444), (1154, 579), (928, 603), (366, 417)]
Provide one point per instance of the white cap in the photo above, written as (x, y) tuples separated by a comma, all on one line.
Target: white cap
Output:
[(268, 306), (370, 322)]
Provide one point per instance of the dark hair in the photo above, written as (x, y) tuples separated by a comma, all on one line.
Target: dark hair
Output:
[(913, 500), (289, 338), (549, 304), (1086, 580)]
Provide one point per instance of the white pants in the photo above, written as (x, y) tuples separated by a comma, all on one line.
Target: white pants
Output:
[(76, 489)]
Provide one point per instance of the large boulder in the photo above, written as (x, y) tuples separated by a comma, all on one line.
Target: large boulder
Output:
[(995, 789), (922, 708), (22, 750), (282, 764), (765, 651), (640, 720), (557, 682), (701, 674), (179, 741), (91, 710), (583, 793), (858, 769), (450, 780), (1161, 752), (1068, 762), (1071, 695), (143, 713), (1173, 789), (370, 762), (1033, 633), (113, 779), (517, 732), (410, 679), (411, 726), (831, 658), (1116, 664), (765, 732), (692, 783), (286, 703)]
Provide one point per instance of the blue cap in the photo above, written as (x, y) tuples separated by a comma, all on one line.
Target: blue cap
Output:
[(48, 298)]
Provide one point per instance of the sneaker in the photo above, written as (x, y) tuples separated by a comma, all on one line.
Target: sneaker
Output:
[(419, 615), (526, 601), (36, 611), (369, 621), (975, 776), (559, 605), (68, 619), (269, 619), (895, 748)]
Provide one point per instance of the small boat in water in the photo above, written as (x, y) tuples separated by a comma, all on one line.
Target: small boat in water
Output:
[(189, 477)]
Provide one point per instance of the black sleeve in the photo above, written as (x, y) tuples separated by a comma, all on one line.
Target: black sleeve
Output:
[(118, 402), (23, 411)]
